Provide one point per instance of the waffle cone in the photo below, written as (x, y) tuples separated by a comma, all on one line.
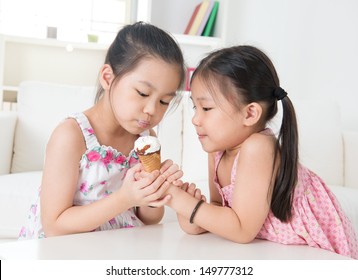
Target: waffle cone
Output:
[(151, 161)]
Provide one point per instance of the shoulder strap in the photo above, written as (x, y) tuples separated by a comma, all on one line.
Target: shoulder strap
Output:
[(234, 168), (217, 158), (87, 130)]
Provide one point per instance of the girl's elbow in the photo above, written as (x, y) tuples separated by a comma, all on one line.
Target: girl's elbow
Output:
[(149, 222), (51, 231), (152, 216), (191, 229), (50, 228), (243, 237)]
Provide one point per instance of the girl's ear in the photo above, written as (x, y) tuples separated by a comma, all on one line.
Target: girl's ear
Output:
[(253, 112), (106, 76)]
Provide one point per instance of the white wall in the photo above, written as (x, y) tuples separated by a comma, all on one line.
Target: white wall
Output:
[(313, 44)]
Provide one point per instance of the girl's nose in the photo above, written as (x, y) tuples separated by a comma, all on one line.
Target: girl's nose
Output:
[(195, 119), (150, 108)]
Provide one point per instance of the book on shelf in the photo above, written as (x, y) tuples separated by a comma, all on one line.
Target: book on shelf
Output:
[(190, 23), (209, 27), (199, 17), (205, 18)]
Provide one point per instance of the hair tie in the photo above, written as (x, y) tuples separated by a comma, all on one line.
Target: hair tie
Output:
[(279, 93)]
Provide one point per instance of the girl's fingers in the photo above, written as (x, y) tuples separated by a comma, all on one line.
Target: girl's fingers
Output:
[(176, 176), (140, 175), (133, 170), (197, 193), (165, 165), (170, 170), (160, 202), (159, 192), (184, 186), (149, 179), (151, 187), (191, 189), (178, 183)]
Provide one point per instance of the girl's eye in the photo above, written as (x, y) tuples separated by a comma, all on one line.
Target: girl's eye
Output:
[(142, 94), (206, 109), (194, 107), (164, 103)]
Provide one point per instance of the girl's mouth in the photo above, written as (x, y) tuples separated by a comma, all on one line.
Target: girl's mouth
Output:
[(201, 136), (143, 124)]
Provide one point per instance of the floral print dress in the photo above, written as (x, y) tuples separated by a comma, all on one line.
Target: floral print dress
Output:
[(101, 172)]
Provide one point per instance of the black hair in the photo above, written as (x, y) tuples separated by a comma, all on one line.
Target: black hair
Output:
[(245, 74), (137, 41)]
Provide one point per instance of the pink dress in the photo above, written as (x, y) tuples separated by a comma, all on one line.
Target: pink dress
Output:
[(101, 172), (318, 219)]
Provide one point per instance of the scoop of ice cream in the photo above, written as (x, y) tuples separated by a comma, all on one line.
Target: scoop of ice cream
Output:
[(145, 145)]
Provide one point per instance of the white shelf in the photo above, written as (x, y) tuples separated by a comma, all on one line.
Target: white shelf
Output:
[(182, 39), (53, 43)]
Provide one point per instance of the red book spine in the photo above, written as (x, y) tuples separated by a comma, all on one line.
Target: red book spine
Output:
[(187, 29)]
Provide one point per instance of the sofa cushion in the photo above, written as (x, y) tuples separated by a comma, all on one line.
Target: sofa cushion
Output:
[(348, 198), (7, 131), (17, 192), (41, 106)]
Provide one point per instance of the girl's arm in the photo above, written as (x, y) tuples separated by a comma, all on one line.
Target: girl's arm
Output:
[(251, 198), (184, 223), (60, 177), (215, 199)]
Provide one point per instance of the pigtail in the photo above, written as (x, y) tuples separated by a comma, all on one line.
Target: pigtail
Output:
[(286, 180)]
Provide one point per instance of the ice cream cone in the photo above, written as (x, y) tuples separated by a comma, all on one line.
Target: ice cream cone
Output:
[(150, 161), (148, 151)]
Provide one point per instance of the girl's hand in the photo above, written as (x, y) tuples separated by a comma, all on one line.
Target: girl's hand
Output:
[(172, 172), (168, 169), (179, 200), (193, 190), (145, 190)]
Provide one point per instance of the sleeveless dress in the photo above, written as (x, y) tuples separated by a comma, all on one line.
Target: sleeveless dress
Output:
[(317, 217), (101, 172)]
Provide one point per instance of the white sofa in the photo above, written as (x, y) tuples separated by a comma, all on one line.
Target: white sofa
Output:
[(328, 145)]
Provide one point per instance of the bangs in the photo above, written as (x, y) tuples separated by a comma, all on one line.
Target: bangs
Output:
[(219, 86)]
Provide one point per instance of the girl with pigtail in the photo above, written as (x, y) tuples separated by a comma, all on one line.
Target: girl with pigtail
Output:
[(258, 188)]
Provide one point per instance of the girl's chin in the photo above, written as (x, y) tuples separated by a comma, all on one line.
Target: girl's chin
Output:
[(136, 130), (207, 149)]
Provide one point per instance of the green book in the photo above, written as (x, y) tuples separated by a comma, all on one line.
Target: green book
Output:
[(209, 27)]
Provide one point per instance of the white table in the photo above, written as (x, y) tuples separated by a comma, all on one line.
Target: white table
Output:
[(157, 242)]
